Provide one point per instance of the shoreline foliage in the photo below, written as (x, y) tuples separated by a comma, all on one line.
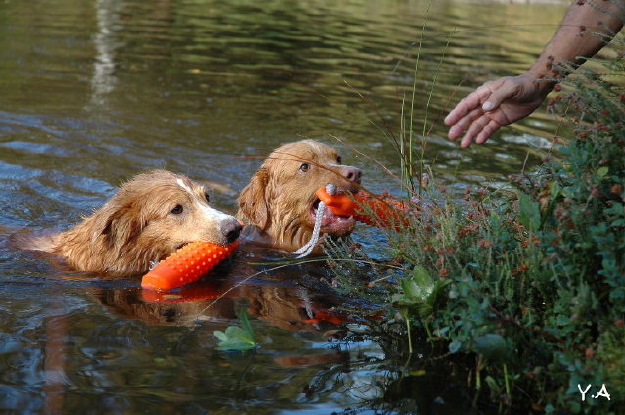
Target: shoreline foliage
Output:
[(530, 282)]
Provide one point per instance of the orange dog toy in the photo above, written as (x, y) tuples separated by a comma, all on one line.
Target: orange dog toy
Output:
[(367, 208), (186, 265)]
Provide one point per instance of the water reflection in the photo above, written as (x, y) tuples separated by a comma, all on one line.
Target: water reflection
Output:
[(103, 80), (277, 300), (93, 92)]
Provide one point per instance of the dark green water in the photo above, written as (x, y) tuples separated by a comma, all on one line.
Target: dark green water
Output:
[(91, 92)]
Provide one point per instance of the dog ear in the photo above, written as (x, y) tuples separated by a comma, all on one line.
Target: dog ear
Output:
[(252, 200), (122, 225)]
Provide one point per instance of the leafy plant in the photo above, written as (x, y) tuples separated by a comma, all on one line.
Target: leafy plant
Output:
[(235, 337), (532, 282)]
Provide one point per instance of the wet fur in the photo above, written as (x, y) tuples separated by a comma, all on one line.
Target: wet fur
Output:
[(137, 226), (276, 204)]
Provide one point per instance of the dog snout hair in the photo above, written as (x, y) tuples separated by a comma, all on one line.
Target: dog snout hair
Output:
[(231, 229)]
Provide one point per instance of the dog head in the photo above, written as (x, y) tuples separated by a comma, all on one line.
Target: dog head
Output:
[(280, 199), (151, 216)]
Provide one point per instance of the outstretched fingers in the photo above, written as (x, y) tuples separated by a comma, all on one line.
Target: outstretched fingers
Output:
[(470, 103), (487, 131), (483, 112), (464, 123), (477, 131)]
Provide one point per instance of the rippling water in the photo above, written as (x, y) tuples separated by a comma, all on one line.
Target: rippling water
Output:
[(92, 92)]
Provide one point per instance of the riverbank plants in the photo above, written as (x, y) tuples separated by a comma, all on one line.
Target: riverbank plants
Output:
[(529, 283)]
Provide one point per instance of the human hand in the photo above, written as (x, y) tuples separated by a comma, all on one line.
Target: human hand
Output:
[(493, 105)]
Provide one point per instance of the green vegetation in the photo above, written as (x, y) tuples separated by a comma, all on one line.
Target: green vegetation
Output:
[(237, 338), (530, 282)]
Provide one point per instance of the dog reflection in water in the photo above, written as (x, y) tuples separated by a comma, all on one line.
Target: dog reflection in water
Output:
[(289, 307)]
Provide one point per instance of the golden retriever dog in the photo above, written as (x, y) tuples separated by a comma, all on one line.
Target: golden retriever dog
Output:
[(151, 216), (279, 205)]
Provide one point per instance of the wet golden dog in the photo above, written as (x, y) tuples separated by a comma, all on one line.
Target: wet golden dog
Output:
[(279, 204), (151, 216)]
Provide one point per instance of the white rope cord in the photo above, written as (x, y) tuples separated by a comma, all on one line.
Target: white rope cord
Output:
[(308, 248)]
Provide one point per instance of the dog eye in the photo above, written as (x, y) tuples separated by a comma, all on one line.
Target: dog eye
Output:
[(304, 167), (177, 210), (339, 159), (207, 196)]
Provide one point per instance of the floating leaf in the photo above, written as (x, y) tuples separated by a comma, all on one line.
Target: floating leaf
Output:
[(235, 337)]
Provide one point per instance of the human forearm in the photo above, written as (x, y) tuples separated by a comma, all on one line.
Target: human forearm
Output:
[(585, 29)]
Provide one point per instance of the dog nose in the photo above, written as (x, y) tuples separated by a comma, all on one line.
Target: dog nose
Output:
[(231, 230), (353, 174)]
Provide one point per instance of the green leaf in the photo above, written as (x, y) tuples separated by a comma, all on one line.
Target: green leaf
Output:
[(221, 336), (245, 322), (420, 291), (419, 286), (235, 337), (492, 384), (455, 346), (492, 346), (529, 212), (602, 171)]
